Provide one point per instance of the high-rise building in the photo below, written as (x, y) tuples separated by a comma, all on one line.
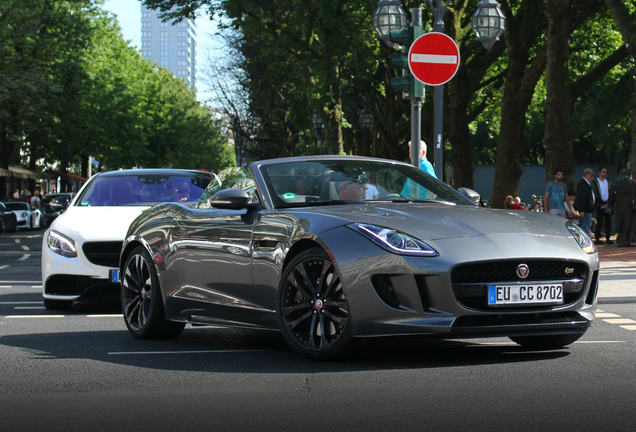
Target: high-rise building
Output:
[(170, 46)]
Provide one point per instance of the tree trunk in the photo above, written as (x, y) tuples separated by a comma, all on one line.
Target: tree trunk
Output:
[(559, 136), (522, 31)]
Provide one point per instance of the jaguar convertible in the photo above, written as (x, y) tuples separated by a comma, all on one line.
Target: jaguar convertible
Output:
[(330, 249)]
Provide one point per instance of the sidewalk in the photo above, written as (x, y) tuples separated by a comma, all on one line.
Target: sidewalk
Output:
[(618, 274)]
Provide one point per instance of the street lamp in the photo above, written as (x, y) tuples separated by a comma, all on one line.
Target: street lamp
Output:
[(318, 123), (366, 120), (389, 17), (389, 21), (488, 22)]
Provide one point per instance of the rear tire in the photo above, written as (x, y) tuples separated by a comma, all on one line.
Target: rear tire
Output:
[(547, 342), (141, 299)]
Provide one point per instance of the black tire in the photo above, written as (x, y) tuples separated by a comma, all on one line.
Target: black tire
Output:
[(546, 342), (141, 300), (57, 305), (312, 309), (14, 228)]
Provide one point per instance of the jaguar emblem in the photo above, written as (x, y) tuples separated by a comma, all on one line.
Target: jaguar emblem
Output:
[(523, 271)]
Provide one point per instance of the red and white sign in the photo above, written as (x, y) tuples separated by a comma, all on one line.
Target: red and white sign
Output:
[(434, 58)]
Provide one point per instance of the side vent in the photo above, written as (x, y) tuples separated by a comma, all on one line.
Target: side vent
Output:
[(384, 288)]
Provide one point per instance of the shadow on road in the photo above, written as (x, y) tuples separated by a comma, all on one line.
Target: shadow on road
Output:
[(248, 351)]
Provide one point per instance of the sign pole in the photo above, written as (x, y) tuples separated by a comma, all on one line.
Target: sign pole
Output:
[(438, 126), (416, 107)]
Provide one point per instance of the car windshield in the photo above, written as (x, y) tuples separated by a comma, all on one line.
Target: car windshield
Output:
[(17, 206), (143, 190), (318, 182)]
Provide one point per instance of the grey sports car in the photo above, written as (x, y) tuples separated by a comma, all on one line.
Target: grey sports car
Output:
[(331, 248)]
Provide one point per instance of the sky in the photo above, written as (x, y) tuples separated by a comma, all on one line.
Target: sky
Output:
[(129, 16)]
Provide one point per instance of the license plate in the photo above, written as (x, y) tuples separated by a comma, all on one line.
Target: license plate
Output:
[(536, 294), (114, 275)]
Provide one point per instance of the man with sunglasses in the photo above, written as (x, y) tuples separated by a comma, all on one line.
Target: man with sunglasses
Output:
[(603, 200)]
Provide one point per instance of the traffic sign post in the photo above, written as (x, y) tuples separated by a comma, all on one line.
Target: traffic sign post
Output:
[(434, 58)]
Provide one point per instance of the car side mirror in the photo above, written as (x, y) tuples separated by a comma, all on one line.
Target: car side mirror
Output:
[(470, 194), (55, 206), (231, 199)]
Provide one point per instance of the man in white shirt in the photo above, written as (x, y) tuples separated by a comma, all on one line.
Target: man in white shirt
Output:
[(603, 202)]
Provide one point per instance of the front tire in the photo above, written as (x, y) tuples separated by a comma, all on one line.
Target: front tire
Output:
[(547, 342), (141, 300), (313, 311)]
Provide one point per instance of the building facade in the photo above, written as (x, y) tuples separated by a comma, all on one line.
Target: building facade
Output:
[(170, 46)]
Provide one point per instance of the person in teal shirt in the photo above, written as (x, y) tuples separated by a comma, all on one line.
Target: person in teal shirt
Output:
[(555, 193)]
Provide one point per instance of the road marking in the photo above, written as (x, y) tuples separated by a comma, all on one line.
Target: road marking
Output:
[(629, 327), (619, 321), (3, 267), (19, 282), (598, 342), (17, 240), (34, 316), (20, 302), (184, 352), (24, 257), (105, 316), (607, 315), (25, 247), (28, 307)]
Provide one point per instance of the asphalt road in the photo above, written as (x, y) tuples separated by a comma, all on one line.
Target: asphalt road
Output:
[(81, 370)]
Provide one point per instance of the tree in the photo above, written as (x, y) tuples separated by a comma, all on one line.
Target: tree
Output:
[(625, 18)]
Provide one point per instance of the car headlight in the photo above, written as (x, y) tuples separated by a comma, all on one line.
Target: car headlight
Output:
[(581, 237), (60, 244), (24, 215), (394, 240)]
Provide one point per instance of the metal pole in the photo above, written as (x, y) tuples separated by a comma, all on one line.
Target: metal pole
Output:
[(439, 10), (416, 107)]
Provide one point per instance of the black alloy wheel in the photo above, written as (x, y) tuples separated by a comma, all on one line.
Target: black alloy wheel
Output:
[(313, 310), (141, 300)]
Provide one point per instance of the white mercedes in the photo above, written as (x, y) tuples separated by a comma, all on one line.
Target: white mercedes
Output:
[(80, 250)]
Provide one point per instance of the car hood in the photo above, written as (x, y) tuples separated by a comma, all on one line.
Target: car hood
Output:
[(435, 222), (107, 223)]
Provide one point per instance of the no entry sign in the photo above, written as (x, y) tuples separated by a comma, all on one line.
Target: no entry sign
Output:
[(434, 58)]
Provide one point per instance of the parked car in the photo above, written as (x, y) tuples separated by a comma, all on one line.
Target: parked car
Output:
[(294, 245), (8, 220), (80, 250), (53, 204), (27, 216)]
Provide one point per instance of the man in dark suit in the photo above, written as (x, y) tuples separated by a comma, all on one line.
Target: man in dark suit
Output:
[(584, 201)]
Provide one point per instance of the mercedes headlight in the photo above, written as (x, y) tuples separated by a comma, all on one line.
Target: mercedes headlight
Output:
[(60, 244), (394, 240), (581, 237)]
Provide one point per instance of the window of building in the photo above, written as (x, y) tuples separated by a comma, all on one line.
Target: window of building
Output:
[(146, 24), (165, 24), (146, 14), (146, 43), (182, 53)]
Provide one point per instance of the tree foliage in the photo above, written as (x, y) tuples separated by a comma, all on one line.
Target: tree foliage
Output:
[(73, 88)]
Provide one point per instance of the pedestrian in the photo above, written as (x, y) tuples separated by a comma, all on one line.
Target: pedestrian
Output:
[(572, 215), (516, 204), (624, 173), (425, 165), (555, 193), (35, 199), (508, 202), (16, 194), (584, 201), (604, 201), (625, 209)]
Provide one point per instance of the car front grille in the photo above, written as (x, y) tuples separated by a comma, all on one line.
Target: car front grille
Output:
[(103, 253), (470, 281)]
